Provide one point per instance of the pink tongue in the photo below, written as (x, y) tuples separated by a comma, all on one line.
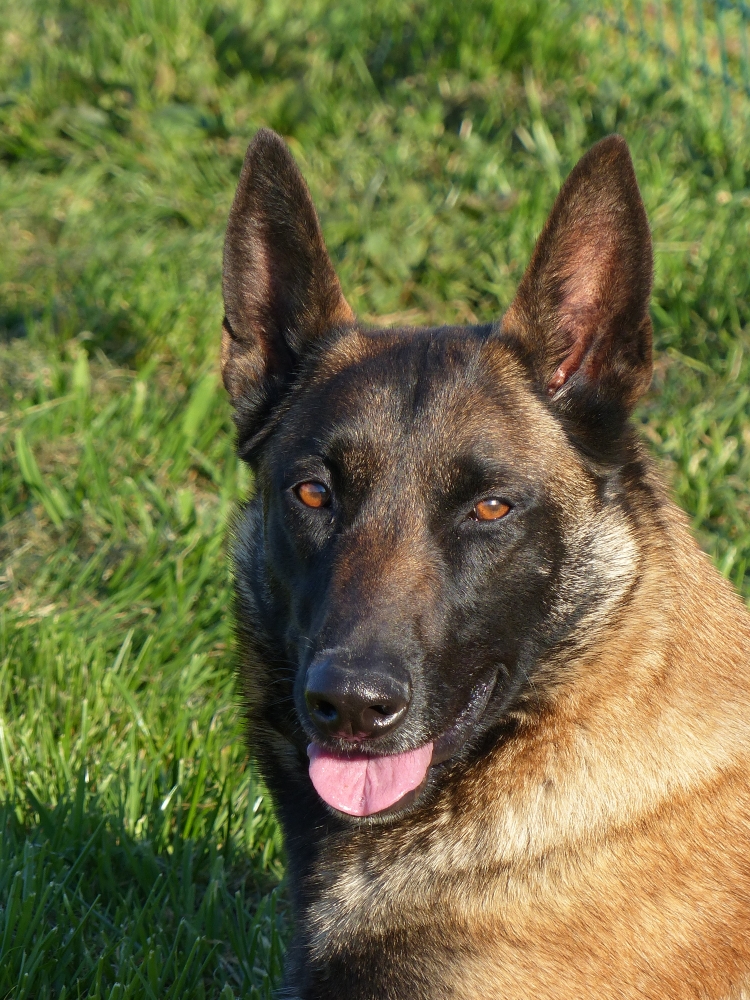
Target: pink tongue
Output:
[(361, 786)]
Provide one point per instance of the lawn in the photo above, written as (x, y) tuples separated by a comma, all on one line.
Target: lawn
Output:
[(139, 855)]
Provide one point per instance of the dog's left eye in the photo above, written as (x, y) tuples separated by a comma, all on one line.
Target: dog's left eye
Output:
[(313, 494), (491, 509)]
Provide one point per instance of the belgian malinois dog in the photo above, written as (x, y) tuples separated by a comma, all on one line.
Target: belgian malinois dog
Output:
[(501, 699)]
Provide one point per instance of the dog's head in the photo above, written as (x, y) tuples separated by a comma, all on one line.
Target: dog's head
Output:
[(443, 516)]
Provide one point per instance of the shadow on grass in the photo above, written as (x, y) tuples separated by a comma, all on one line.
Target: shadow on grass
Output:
[(88, 910)]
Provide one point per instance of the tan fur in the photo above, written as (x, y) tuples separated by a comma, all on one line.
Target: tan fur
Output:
[(604, 853)]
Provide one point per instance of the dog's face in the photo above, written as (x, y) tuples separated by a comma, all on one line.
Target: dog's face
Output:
[(437, 510)]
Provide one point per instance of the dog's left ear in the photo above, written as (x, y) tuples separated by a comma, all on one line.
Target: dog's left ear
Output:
[(581, 311), (280, 289)]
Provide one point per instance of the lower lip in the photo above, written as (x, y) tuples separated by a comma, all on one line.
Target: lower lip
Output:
[(450, 742)]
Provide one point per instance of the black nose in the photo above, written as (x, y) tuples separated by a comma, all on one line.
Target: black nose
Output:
[(356, 701)]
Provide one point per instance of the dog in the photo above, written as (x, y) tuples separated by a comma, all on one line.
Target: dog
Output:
[(499, 696)]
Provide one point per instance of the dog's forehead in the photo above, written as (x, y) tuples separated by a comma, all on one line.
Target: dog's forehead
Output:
[(428, 394)]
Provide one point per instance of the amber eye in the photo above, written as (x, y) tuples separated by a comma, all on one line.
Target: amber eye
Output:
[(312, 493), (490, 510)]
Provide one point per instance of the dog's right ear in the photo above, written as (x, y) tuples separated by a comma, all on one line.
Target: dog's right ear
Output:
[(280, 288)]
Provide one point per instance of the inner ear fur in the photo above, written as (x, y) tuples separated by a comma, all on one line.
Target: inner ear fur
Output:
[(581, 311), (280, 289)]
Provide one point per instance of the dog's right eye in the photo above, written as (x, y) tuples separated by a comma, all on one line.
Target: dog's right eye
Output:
[(312, 494), (491, 509)]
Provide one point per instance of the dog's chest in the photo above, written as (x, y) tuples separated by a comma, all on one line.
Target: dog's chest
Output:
[(428, 928)]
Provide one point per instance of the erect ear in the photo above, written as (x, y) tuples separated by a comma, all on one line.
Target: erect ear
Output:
[(581, 311), (280, 288)]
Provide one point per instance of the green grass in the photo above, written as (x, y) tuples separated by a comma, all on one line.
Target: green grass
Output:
[(139, 856)]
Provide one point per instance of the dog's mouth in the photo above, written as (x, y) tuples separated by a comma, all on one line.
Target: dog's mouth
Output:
[(361, 784)]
